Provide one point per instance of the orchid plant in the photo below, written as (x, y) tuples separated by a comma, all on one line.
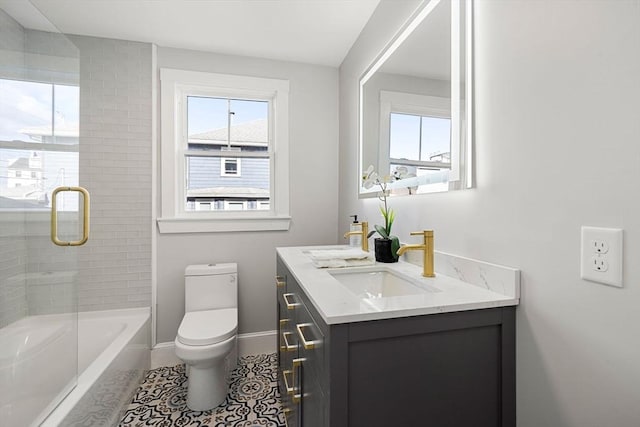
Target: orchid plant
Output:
[(369, 179)]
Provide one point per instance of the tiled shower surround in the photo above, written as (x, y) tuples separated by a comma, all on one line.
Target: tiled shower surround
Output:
[(113, 270), (115, 166)]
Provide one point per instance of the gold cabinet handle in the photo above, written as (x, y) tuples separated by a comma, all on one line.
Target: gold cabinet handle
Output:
[(307, 344), (85, 217), (290, 305), (286, 383), (296, 363), (287, 346), (283, 322), (280, 282)]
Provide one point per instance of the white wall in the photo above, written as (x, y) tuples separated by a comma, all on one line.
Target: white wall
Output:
[(313, 139), (557, 134)]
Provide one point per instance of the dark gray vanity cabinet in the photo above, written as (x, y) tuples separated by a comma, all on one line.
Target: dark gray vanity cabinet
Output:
[(443, 370)]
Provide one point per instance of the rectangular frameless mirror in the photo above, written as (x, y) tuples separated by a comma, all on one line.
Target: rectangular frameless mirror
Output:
[(416, 102)]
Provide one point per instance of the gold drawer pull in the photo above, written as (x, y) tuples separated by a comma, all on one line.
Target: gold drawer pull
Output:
[(296, 363), (286, 383), (280, 282), (290, 305), (287, 346), (283, 322), (307, 344)]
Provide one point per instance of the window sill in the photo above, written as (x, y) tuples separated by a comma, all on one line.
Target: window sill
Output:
[(222, 225)]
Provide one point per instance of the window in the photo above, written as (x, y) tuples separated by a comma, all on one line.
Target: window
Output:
[(38, 144), (416, 137), (222, 137), (231, 167), (423, 139)]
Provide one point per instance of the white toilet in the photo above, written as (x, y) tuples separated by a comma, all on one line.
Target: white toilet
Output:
[(207, 336)]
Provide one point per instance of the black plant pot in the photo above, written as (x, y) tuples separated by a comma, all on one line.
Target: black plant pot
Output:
[(383, 250)]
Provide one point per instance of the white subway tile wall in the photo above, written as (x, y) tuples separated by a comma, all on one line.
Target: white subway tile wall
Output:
[(113, 270), (115, 166), (13, 252)]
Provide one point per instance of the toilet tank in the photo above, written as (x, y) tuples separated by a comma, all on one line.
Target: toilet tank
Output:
[(210, 286)]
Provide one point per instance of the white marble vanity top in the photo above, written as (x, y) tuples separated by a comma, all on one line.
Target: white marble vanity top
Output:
[(460, 284)]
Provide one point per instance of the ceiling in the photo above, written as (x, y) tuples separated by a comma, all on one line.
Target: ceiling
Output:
[(309, 31)]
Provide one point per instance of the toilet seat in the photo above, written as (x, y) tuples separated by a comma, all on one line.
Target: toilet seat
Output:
[(208, 326)]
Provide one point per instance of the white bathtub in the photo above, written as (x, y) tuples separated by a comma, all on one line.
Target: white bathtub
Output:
[(113, 355)]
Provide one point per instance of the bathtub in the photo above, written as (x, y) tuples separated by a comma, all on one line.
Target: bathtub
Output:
[(113, 355)]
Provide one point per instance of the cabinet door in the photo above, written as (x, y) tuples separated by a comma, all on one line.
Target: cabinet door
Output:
[(288, 304), (309, 367), (310, 343), (312, 399)]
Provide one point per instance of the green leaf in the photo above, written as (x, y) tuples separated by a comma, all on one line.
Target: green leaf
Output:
[(381, 231), (395, 245), (371, 233), (392, 217), (384, 213)]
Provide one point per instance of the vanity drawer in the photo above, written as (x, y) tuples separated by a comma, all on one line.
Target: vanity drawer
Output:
[(310, 344)]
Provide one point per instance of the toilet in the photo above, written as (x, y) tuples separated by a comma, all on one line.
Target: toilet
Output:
[(207, 336)]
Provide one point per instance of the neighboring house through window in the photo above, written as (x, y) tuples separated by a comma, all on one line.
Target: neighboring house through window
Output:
[(39, 145), (221, 135)]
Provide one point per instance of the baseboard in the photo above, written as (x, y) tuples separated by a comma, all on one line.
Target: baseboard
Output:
[(163, 354), (257, 343)]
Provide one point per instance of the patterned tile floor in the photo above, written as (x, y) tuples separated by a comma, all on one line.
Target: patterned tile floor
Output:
[(253, 398)]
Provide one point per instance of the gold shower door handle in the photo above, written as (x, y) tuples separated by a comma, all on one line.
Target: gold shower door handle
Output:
[(85, 217)]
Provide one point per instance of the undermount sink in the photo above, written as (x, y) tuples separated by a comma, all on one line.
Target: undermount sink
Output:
[(374, 284)]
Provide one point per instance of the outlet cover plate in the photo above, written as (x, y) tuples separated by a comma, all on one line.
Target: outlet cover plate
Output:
[(593, 239)]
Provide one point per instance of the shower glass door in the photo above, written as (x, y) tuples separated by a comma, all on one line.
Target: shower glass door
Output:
[(39, 151)]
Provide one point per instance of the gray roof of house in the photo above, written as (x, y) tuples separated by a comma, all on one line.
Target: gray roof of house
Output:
[(255, 131), (22, 164)]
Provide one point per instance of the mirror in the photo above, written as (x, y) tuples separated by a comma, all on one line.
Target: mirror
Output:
[(415, 104)]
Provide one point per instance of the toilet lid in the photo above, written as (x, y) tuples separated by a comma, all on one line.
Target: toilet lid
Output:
[(208, 326)]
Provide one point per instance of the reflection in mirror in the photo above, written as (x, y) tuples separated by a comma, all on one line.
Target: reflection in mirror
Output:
[(415, 103)]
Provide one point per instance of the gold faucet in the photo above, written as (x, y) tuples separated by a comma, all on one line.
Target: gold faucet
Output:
[(364, 230), (426, 247)]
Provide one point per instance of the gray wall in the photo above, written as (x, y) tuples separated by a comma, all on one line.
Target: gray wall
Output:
[(313, 139), (557, 131)]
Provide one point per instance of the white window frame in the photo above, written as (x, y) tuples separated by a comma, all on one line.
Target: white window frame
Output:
[(175, 86), (418, 105)]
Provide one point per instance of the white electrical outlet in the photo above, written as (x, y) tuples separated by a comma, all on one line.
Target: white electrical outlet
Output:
[(600, 246), (599, 264), (601, 255)]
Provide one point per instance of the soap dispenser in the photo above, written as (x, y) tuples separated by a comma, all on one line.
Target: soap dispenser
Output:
[(355, 240)]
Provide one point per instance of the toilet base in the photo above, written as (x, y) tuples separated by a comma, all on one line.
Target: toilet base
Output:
[(207, 387)]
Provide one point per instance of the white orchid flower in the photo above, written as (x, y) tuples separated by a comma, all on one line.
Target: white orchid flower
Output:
[(368, 172), (368, 183)]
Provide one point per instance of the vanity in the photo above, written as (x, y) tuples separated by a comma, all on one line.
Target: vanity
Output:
[(382, 346)]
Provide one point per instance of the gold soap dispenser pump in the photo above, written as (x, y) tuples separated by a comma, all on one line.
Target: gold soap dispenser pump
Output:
[(355, 239)]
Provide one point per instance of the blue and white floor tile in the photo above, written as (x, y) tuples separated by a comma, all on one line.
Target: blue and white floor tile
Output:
[(253, 398)]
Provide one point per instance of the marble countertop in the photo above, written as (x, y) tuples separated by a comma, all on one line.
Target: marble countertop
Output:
[(460, 284)]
